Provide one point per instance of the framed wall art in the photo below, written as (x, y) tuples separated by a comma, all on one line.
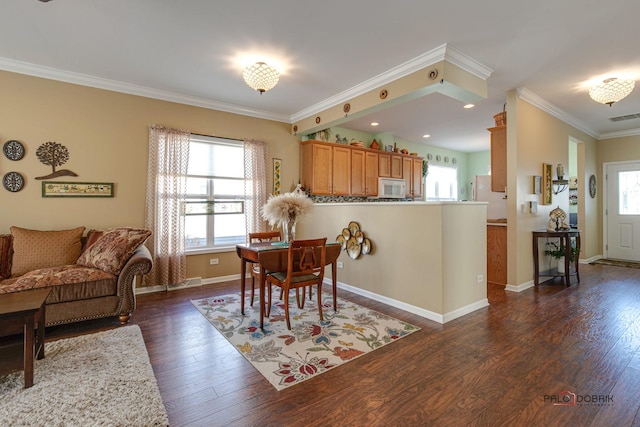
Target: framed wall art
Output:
[(537, 184), (547, 184), (277, 170), (77, 189)]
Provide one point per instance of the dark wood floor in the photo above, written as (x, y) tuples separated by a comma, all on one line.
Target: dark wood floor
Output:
[(498, 366)]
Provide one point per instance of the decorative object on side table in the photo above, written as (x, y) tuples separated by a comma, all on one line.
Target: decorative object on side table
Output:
[(557, 220), (285, 210)]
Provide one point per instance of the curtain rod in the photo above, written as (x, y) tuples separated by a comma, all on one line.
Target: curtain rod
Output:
[(215, 136)]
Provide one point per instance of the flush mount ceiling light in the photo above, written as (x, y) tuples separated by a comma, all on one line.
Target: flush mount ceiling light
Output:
[(261, 76), (611, 90)]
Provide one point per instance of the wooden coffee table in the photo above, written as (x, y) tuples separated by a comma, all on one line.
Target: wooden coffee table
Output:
[(26, 311)]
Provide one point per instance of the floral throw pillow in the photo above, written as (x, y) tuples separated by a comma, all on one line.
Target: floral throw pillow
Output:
[(113, 249)]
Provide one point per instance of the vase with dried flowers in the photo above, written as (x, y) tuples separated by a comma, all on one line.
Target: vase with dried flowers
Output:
[(285, 210)]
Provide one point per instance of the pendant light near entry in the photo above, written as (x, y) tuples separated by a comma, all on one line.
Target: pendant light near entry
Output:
[(261, 76), (611, 90)]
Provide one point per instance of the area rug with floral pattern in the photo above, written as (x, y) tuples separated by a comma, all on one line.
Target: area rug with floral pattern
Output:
[(287, 357)]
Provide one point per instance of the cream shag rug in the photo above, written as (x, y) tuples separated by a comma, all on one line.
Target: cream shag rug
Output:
[(287, 357), (102, 379)]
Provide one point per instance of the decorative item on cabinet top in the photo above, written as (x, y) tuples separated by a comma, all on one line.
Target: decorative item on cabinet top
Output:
[(354, 241)]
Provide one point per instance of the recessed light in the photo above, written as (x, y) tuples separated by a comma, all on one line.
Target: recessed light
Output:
[(375, 124), (467, 106), (426, 135)]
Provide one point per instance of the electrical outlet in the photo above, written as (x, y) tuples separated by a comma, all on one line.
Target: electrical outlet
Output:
[(340, 265), (214, 261), (480, 278)]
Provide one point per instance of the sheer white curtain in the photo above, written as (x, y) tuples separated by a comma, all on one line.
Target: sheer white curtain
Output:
[(255, 184), (166, 190)]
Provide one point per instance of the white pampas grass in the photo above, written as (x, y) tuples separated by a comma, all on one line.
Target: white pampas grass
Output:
[(287, 207)]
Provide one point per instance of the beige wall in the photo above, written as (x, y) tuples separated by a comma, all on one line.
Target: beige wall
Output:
[(426, 255), (538, 138), (610, 151), (107, 136)]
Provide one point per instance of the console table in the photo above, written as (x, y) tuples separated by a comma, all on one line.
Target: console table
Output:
[(565, 236)]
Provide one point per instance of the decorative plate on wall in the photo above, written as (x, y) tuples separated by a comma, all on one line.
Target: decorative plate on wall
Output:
[(592, 186), (13, 181), (438, 158), (429, 156), (13, 150)]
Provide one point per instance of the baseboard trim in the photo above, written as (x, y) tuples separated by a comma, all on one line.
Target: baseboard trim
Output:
[(462, 311), (150, 289), (427, 314), (521, 287)]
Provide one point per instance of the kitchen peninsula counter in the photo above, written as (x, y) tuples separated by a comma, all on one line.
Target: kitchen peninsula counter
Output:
[(428, 258)]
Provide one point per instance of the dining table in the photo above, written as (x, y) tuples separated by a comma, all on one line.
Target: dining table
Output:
[(273, 257)]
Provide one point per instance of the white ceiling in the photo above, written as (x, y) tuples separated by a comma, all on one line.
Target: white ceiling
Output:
[(190, 52)]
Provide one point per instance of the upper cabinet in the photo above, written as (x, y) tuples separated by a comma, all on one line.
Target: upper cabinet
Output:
[(498, 158), (364, 173), (326, 168), (330, 169), (390, 165), (412, 174)]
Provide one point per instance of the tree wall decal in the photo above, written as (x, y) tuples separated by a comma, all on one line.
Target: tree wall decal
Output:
[(54, 154)]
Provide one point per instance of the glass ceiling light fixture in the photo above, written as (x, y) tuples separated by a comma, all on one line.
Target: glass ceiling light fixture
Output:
[(260, 76), (611, 90)]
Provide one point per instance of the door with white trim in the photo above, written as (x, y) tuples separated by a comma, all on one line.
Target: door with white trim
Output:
[(623, 211)]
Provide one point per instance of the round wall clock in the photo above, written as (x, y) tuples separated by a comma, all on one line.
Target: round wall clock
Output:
[(592, 186), (13, 181), (13, 150)]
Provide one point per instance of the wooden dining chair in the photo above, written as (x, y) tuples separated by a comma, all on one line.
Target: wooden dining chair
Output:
[(264, 236), (305, 267)]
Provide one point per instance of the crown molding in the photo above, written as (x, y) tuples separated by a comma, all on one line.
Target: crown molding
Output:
[(620, 134), (131, 89), (537, 101), (441, 53), (395, 73), (467, 63)]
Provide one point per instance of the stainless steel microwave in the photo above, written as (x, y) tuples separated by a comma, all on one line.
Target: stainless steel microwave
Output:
[(391, 188)]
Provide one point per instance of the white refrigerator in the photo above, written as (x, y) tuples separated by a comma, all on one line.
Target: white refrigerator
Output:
[(497, 208)]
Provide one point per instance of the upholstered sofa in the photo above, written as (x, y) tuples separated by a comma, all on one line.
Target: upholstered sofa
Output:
[(90, 276)]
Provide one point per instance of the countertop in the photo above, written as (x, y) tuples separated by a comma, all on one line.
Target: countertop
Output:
[(502, 222)]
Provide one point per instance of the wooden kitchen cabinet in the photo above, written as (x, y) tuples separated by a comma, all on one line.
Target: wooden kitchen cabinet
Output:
[(498, 158), (326, 168), (390, 165), (364, 173), (412, 174), (329, 169), (497, 254)]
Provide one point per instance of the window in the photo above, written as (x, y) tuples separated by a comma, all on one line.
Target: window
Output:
[(442, 183), (629, 193), (215, 205)]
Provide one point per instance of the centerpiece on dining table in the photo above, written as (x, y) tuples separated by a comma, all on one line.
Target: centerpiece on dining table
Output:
[(285, 210)]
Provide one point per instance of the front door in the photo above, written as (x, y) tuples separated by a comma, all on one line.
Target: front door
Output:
[(623, 211)]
